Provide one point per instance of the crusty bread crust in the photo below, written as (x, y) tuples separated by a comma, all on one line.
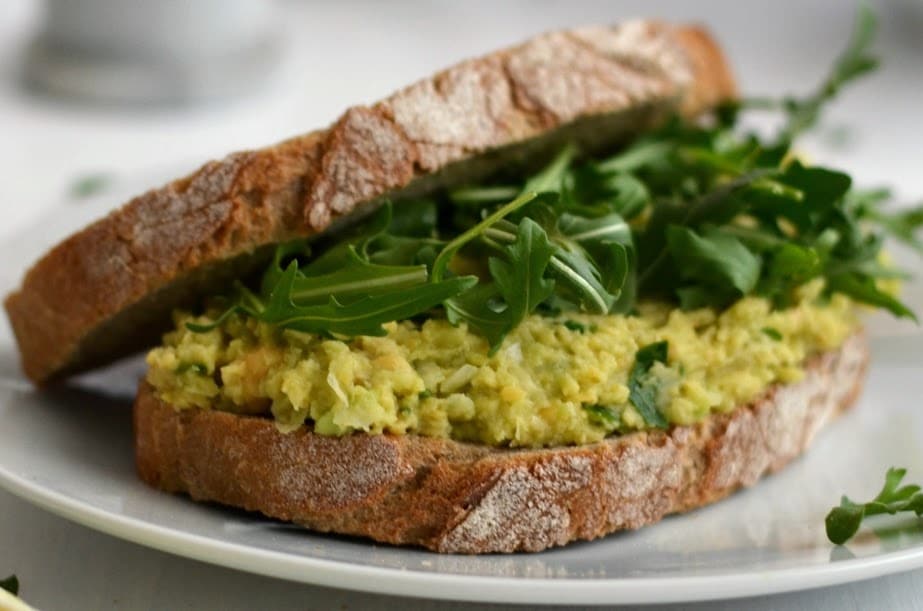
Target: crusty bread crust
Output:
[(463, 498), (108, 290)]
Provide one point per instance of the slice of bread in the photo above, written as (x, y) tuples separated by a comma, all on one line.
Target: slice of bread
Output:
[(108, 290), (462, 498)]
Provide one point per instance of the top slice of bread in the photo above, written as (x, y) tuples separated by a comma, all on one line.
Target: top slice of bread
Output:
[(108, 290)]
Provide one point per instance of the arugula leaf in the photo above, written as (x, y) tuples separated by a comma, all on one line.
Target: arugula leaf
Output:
[(356, 277), (441, 264), (789, 266), (579, 281), (591, 270), (713, 259), (551, 179), (481, 195), (10, 584), (483, 309), (843, 521), (364, 316), (864, 290), (641, 391), (520, 277), (636, 157), (594, 192), (608, 228), (717, 207)]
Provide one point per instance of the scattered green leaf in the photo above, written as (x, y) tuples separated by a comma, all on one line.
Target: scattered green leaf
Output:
[(643, 391), (89, 185), (843, 521)]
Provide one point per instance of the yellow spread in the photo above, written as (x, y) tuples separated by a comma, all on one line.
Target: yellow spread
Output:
[(543, 387)]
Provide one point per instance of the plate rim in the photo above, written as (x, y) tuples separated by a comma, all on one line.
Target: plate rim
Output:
[(408, 582)]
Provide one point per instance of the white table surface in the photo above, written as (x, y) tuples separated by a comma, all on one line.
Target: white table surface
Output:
[(341, 55)]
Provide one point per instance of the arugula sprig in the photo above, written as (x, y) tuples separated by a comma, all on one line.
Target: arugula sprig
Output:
[(843, 521), (855, 61)]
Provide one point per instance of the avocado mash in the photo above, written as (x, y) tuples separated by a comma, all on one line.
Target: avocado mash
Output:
[(556, 380)]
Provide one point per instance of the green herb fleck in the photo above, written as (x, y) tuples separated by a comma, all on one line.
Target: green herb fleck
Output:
[(843, 521), (603, 415), (89, 185), (198, 368), (642, 391), (426, 394), (772, 333), (10, 584), (573, 325)]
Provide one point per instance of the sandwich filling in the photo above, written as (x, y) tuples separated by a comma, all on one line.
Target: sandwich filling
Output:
[(556, 380), (601, 295)]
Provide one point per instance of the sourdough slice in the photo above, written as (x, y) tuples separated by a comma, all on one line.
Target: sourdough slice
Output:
[(462, 498), (109, 289)]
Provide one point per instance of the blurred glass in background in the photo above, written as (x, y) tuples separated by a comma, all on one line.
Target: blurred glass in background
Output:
[(150, 52)]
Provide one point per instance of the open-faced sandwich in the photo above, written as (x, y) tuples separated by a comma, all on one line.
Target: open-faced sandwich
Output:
[(541, 296)]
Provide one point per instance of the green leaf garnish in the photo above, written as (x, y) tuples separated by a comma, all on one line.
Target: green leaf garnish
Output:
[(10, 584), (643, 391), (843, 521), (693, 214), (714, 259), (364, 316)]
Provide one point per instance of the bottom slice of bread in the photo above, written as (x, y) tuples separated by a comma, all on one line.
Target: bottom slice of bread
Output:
[(465, 498)]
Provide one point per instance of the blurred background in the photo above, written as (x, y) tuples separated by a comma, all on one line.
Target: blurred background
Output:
[(115, 96)]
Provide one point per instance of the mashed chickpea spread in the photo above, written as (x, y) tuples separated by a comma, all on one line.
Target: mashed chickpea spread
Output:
[(543, 387)]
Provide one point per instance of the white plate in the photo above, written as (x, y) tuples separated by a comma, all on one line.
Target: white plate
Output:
[(69, 451)]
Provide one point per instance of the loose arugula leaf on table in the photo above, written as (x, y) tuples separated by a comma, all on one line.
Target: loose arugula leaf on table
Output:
[(10, 584), (843, 521), (642, 391)]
